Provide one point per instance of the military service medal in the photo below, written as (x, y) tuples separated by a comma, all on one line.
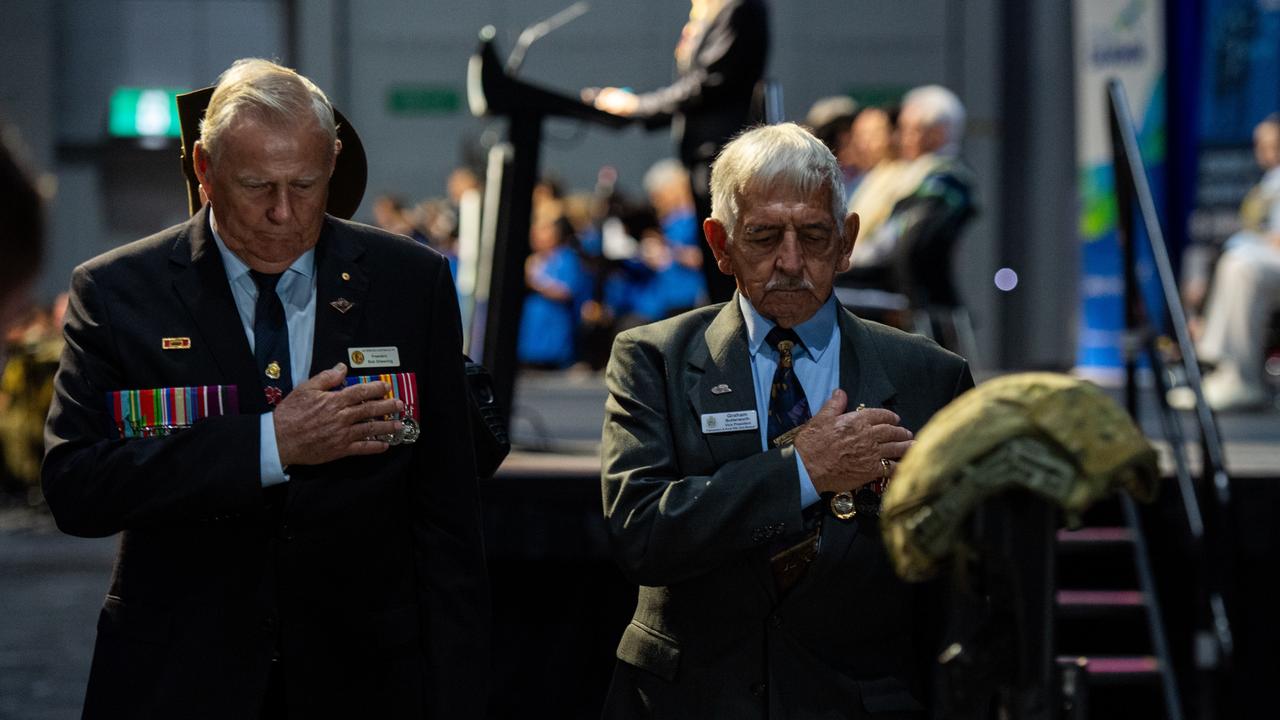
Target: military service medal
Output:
[(403, 387), (163, 411)]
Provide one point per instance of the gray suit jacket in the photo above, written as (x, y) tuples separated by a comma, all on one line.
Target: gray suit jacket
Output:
[(692, 517)]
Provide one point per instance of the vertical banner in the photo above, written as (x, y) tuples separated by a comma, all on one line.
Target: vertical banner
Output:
[(1122, 40)]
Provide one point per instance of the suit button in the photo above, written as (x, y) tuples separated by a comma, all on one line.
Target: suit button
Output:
[(757, 688)]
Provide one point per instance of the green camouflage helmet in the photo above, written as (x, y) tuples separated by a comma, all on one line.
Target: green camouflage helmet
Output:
[(1052, 434)]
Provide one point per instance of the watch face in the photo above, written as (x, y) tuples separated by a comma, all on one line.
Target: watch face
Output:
[(842, 506)]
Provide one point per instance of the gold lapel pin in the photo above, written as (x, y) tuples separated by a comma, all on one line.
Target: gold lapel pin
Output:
[(346, 276)]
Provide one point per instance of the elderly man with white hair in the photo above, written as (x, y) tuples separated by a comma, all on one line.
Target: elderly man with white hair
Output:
[(745, 448), (911, 251)]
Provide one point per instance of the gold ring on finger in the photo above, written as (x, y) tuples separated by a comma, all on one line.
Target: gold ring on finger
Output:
[(885, 467)]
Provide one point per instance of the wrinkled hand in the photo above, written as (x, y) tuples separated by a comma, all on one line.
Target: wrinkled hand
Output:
[(842, 450), (316, 424)]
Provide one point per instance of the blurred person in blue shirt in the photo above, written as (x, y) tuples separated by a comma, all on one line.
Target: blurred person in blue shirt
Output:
[(679, 284), (554, 276)]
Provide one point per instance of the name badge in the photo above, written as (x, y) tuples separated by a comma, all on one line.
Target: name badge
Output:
[(371, 357), (729, 421)]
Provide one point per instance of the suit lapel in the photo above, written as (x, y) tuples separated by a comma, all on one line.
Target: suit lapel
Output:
[(201, 283), (862, 373), (342, 286), (724, 363)]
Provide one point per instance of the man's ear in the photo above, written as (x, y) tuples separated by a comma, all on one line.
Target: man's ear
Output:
[(718, 238), (337, 150), (200, 161), (851, 224)]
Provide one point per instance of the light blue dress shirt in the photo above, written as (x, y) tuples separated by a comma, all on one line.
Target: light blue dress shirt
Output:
[(817, 367), (297, 291)]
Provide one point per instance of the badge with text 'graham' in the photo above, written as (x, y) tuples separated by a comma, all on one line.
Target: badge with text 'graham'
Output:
[(403, 387), (163, 411)]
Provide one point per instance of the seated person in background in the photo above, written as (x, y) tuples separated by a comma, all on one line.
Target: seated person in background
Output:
[(911, 251), (681, 284), (1244, 293), (888, 178), (553, 274)]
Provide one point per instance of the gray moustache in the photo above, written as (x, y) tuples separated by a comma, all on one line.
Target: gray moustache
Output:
[(785, 283)]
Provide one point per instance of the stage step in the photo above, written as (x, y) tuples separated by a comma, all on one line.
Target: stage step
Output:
[(1106, 614), (1099, 602), (1116, 669), (1094, 538)]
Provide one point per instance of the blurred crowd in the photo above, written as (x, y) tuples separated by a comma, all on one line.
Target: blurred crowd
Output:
[(629, 251), (600, 260)]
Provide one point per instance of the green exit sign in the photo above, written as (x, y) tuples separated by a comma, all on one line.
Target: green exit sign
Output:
[(877, 96), (423, 100), (144, 113)]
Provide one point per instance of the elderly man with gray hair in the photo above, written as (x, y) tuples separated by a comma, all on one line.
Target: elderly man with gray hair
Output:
[(295, 540), (745, 449), (911, 251)]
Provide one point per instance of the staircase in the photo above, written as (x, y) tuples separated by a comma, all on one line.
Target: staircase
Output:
[(1108, 626)]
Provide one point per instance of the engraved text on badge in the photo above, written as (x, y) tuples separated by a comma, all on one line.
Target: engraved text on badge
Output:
[(729, 421), (371, 357)]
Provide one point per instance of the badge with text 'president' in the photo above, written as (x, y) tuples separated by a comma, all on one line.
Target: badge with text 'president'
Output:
[(403, 387), (163, 411)]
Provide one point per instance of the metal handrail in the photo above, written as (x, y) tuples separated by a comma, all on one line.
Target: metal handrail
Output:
[(1132, 188)]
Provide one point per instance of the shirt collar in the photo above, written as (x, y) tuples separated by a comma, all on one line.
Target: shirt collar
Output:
[(815, 333), (236, 268)]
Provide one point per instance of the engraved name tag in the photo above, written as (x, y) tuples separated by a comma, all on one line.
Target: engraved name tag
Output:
[(729, 421), (371, 357)]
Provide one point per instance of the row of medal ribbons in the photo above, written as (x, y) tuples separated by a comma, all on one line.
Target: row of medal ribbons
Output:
[(158, 412)]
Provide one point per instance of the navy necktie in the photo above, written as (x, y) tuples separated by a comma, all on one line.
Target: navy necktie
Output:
[(271, 338), (788, 406)]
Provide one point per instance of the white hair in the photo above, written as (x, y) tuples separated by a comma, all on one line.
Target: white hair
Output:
[(774, 157), (664, 173), (939, 106), (267, 92)]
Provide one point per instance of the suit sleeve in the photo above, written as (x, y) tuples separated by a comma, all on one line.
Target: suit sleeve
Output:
[(449, 545), (667, 526), (723, 67), (96, 484)]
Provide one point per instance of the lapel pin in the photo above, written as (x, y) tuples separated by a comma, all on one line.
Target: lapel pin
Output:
[(721, 389), (346, 276), (342, 305), (175, 343)]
